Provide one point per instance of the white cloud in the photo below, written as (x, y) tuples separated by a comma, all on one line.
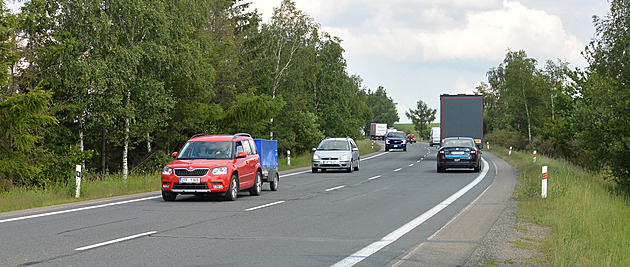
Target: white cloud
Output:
[(478, 35), (461, 86)]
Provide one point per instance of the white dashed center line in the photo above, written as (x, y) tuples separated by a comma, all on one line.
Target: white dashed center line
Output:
[(397, 169), (335, 188), (264, 206), (115, 241), (378, 176)]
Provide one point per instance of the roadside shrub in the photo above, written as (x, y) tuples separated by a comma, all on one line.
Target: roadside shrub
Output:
[(507, 138)]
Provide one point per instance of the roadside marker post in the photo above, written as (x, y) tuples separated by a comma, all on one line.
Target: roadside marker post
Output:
[(510, 151), (78, 180), (534, 156), (488, 145), (544, 182), (372, 145), (289, 157)]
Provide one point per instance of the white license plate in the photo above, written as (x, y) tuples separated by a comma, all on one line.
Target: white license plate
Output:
[(189, 180), (458, 153), (330, 162)]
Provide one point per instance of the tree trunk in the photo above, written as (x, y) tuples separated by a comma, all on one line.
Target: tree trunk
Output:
[(81, 144), (148, 143), (125, 166), (103, 147)]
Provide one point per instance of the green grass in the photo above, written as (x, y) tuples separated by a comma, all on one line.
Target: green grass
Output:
[(113, 185), (91, 188), (589, 220)]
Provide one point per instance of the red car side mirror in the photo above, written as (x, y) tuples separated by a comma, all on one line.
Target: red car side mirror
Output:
[(174, 154), (241, 155)]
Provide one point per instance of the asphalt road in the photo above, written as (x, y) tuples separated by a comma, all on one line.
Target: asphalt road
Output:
[(382, 215)]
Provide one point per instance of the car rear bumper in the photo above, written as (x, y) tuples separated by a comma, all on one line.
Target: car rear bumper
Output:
[(462, 163)]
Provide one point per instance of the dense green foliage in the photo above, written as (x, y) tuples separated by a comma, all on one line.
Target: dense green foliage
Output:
[(580, 115), (118, 85)]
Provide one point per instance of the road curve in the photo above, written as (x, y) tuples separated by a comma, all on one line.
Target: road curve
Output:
[(397, 207)]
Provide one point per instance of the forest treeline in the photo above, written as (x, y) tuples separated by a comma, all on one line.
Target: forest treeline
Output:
[(580, 115), (118, 85)]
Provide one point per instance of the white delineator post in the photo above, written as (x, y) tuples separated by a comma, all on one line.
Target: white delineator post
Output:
[(534, 156), (488, 145), (544, 182), (289, 157), (510, 151), (78, 178)]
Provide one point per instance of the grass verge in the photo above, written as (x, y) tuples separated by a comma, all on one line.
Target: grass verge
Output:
[(114, 185), (588, 217)]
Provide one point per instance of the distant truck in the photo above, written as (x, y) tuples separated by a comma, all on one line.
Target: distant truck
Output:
[(434, 137), (268, 152), (378, 131), (462, 116)]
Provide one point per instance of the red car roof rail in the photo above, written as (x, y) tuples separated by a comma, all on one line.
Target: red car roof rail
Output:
[(200, 134), (241, 134)]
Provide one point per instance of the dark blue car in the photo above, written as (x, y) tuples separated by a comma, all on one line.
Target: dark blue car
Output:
[(396, 140)]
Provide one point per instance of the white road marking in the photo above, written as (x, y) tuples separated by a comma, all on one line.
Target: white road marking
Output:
[(377, 155), (77, 209), (404, 258), (115, 241), (396, 234), (264, 206), (335, 188), (378, 176), (411, 165), (295, 173), (397, 169)]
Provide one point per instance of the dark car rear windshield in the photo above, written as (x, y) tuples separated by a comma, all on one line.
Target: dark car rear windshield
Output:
[(458, 143)]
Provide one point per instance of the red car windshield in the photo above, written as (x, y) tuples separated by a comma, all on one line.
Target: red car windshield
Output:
[(206, 150)]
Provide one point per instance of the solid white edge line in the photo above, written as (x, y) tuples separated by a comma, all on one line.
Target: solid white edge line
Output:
[(264, 206), (396, 234), (295, 173), (404, 258), (377, 155), (77, 209), (114, 241), (378, 176), (335, 188)]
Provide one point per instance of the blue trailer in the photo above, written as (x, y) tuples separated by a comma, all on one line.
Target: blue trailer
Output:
[(268, 152)]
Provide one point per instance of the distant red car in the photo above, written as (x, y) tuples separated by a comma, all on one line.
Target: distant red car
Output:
[(214, 164)]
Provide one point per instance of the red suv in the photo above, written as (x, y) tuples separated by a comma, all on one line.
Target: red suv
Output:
[(214, 164)]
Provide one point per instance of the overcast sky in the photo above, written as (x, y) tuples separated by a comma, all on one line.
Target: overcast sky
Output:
[(419, 49)]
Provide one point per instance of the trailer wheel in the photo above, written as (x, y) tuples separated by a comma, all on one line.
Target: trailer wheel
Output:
[(273, 185)]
